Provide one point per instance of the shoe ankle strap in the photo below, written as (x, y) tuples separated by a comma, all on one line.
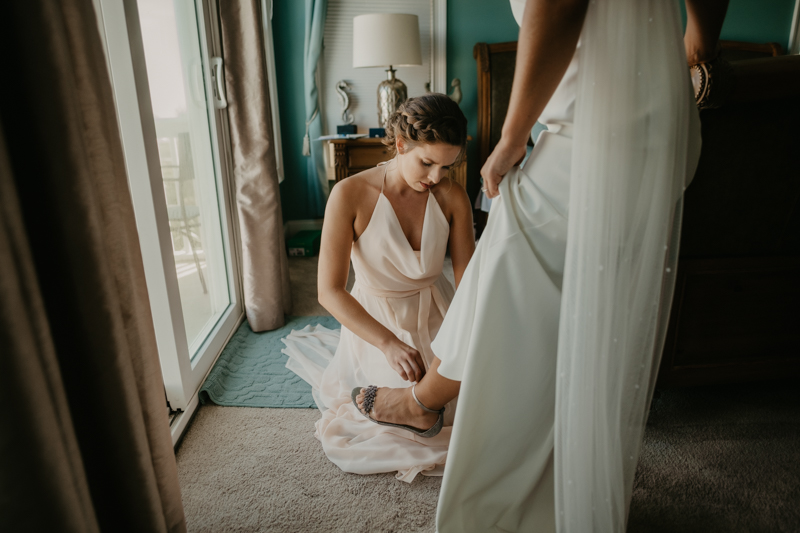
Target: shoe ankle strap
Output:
[(414, 394)]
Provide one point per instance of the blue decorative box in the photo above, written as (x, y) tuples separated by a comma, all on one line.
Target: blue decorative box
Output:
[(377, 132), (346, 129)]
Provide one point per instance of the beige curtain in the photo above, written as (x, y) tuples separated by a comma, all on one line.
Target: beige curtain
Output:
[(265, 269), (84, 436)]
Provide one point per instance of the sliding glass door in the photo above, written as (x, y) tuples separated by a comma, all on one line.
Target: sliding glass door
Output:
[(170, 99), (176, 73)]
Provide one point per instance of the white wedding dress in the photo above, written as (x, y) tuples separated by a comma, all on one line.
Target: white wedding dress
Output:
[(500, 339), (556, 328)]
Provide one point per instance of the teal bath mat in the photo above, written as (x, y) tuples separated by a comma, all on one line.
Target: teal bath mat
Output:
[(251, 371)]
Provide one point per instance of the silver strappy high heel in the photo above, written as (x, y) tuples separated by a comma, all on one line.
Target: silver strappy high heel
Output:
[(369, 400)]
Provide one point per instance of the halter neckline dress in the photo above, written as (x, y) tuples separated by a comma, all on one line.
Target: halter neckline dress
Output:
[(406, 291)]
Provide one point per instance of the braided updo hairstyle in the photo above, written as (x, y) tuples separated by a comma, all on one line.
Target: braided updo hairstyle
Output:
[(431, 118)]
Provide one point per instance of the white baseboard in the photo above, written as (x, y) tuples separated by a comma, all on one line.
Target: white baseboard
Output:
[(291, 227)]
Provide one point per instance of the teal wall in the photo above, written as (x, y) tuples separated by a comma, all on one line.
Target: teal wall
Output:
[(468, 22), (757, 21)]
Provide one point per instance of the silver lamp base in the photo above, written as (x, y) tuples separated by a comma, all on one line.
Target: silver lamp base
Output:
[(391, 93)]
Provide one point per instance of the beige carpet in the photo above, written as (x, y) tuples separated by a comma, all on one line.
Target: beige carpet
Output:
[(244, 469), (247, 469), (714, 459)]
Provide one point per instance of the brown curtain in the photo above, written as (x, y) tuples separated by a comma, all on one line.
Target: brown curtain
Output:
[(267, 295), (84, 435)]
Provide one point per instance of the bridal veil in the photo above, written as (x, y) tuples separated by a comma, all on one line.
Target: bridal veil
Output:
[(636, 145)]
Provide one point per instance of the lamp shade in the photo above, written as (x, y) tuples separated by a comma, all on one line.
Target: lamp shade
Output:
[(386, 39)]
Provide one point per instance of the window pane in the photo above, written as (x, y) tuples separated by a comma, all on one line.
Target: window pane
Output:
[(175, 70)]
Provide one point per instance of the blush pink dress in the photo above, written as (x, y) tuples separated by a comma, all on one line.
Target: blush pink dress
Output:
[(404, 290)]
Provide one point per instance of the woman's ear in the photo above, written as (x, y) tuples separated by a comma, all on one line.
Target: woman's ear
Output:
[(400, 145)]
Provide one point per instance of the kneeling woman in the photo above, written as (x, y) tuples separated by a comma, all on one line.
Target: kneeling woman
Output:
[(394, 222)]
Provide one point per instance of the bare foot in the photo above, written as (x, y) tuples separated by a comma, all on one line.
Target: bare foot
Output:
[(397, 406)]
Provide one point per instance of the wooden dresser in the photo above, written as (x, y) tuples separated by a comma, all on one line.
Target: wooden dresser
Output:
[(735, 314), (351, 156)]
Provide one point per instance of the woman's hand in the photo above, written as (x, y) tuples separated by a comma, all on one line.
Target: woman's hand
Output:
[(504, 156), (404, 359)]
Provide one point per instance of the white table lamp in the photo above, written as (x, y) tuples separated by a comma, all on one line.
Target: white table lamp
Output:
[(387, 40)]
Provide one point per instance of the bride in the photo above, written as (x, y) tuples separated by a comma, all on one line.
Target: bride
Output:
[(395, 223), (553, 339)]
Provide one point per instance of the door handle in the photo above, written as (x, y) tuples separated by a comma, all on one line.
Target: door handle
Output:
[(218, 83)]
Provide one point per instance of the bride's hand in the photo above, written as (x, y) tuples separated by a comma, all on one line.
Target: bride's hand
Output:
[(405, 360), (504, 156)]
